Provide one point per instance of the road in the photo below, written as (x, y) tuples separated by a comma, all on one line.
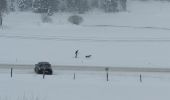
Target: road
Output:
[(87, 68)]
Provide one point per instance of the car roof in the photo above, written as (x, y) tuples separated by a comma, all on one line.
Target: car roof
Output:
[(43, 63)]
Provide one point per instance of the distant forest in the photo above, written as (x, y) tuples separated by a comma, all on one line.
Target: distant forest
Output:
[(75, 6)]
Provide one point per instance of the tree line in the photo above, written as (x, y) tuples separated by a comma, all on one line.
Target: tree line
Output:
[(54, 6), (79, 6), (3, 8)]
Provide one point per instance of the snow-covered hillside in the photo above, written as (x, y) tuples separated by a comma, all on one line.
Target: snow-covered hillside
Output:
[(136, 38)]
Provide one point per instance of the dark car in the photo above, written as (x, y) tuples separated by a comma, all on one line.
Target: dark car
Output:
[(43, 68)]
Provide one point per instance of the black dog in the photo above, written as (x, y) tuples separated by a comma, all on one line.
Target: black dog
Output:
[(88, 56)]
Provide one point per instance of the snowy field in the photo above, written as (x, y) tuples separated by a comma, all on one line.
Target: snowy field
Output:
[(136, 38)]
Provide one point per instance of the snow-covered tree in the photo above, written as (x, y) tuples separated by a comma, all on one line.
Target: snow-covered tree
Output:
[(12, 5), (53, 5), (83, 6), (94, 3), (3, 8), (62, 6), (110, 5), (41, 6), (79, 6), (24, 4), (122, 4), (46, 6)]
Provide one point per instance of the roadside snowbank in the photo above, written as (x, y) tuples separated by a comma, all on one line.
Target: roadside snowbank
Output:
[(85, 87)]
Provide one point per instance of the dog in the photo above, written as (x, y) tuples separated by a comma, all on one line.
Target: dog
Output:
[(88, 56)]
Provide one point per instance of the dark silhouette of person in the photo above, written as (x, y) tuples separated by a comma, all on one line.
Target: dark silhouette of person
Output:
[(76, 53), (140, 78)]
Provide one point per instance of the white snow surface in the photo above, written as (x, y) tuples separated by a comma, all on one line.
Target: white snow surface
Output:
[(136, 38), (86, 86)]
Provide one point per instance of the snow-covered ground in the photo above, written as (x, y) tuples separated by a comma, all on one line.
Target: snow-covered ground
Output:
[(86, 86), (136, 38)]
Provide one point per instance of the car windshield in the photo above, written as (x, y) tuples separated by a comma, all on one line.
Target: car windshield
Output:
[(45, 65)]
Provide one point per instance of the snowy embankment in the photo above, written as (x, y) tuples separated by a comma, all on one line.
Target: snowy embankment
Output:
[(137, 38), (86, 86)]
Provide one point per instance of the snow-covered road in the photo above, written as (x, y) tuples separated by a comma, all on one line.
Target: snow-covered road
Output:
[(30, 68)]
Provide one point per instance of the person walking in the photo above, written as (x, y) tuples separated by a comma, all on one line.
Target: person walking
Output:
[(76, 53)]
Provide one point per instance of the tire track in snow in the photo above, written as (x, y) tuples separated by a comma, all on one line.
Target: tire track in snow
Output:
[(135, 27), (87, 39)]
